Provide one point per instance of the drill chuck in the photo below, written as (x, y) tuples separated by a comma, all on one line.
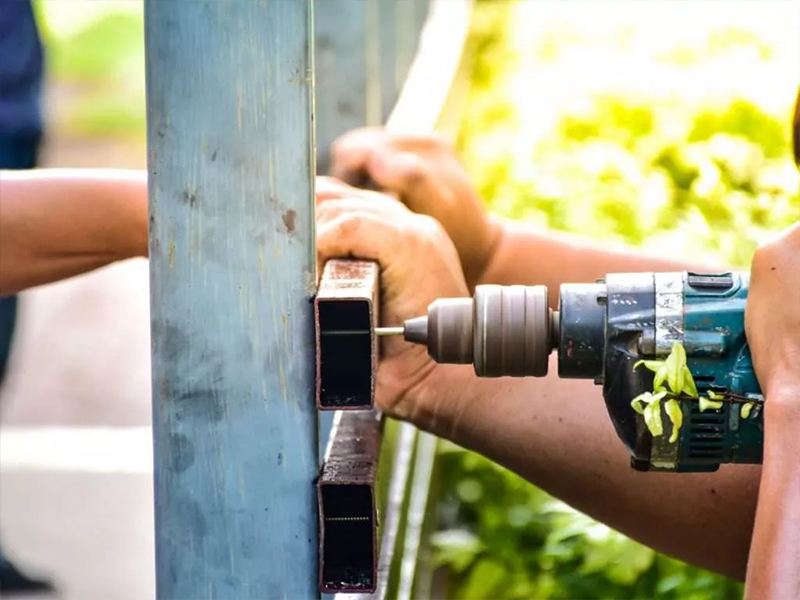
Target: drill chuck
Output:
[(502, 331)]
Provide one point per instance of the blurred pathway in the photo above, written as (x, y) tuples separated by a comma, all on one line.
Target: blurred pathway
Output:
[(75, 453)]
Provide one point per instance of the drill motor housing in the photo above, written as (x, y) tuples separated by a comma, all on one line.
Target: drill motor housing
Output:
[(606, 327)]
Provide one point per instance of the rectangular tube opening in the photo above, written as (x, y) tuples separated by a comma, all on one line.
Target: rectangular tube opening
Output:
[(345, 328), (349, 545)]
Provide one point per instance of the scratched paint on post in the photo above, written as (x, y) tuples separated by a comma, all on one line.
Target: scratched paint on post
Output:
[(232, 251)]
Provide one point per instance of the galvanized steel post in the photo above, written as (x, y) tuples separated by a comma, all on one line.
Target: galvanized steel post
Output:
[(230, 160)]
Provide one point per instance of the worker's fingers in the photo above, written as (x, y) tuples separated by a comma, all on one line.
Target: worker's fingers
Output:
[(351, 153), (418, 264), (332, 189), (327, 188), (349, 198), (409, 176), (358, 227), (387, 233), (381, 206)]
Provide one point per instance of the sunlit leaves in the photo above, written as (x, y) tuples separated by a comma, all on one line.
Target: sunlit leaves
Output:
[(643, 400), (746, 410), (456, 547), (705, 404), (675, 372), (676, 361), (688, 387), (675, 414), (652, 417)]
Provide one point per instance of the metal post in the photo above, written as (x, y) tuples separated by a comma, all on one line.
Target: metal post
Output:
[(230, 158)]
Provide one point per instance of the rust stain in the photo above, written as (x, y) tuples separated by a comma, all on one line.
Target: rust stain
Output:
[(171, 255), (290, 221)]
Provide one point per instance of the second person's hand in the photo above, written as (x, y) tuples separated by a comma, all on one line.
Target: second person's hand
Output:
[(424, 172)]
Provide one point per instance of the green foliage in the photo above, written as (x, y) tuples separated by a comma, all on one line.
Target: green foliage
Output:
[(673, 173), (95, 63), (506, 539), (100, 50)]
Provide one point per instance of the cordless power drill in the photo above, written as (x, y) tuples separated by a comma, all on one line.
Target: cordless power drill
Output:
[(599, 332)]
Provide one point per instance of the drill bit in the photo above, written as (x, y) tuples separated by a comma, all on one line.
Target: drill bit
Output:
[(379, 331), (384, 331)]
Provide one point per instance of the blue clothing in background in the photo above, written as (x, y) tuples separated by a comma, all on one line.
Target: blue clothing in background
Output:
[(21, 75), (21, 71)]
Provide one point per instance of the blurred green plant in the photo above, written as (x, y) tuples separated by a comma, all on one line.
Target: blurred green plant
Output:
[(683, 176), (95, 68), (507, 539)]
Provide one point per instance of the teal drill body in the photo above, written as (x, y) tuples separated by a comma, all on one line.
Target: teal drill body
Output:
[(605, 328), (719, 358)]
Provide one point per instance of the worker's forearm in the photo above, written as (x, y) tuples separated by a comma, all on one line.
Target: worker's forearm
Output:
[(545, 428), (529, 257), (58, 223), (772, 570)]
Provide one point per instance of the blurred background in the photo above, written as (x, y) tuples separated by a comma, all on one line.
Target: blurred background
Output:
[(658, 124)]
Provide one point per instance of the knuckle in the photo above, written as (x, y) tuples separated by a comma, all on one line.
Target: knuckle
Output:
[(413, 170), (326, 210), (341, 227), (430, 228)]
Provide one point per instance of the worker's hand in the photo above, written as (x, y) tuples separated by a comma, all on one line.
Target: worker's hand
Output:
[(772, 319), (425, 174), (418, 265)]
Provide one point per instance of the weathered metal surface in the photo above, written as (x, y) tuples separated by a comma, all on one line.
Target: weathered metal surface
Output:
[(345, 315), (230, 100), (348, 517)]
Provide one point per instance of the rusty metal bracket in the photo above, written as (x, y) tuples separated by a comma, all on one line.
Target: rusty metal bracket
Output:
[(348, 504), (345, 316)]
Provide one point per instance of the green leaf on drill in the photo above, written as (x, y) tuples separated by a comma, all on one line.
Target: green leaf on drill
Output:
[(652, 418), (659, 367), (675, 415), (745, 410), (689, 388), (652, 365), (645, 399), (675, 363), (660, 378), (637, 404), (707, 404), (715, 396)]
